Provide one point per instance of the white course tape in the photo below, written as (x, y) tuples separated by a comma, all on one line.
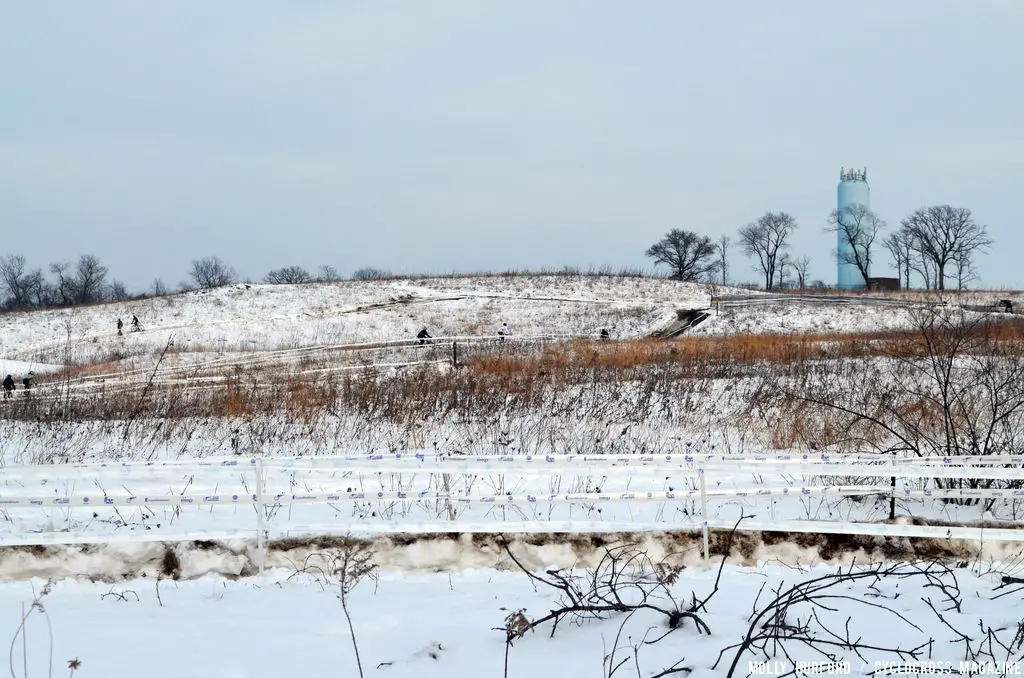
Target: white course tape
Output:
[(402, 462), (531, 527), (8, 501), (940, 493), (879, 471)]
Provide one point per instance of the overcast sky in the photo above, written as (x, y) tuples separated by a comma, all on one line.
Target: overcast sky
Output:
[(439, 135)]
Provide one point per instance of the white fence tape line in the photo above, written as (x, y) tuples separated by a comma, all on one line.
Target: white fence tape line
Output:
[(259, 483), (425, 460), (17, 500), (910, 471), (509, 499), (939, 493), (879, 529), (797, 526)]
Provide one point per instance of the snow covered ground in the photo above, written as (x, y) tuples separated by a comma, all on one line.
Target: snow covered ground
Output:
[(22, 367), (801, 318), (274, 317), (426, 625), (266, 318), (414, 622)]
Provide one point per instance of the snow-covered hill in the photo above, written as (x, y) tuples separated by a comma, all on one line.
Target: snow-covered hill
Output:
[(258, 318), (275, 317)]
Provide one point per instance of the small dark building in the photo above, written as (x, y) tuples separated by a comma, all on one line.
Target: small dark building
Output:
[(883, 284)]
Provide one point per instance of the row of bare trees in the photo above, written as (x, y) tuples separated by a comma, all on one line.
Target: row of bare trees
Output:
[(295, 275), (933, 246), (937, 244), (697, 258), (84, 282)]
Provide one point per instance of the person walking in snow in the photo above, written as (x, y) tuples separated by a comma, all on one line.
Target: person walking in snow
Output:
[(29, 381), (8, 387), (119, 326), (503, 331), (423, 335)]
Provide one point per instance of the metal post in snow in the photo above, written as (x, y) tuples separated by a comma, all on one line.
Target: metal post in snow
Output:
[(261, 543), (892, 495), (704, 512), (455, 354)]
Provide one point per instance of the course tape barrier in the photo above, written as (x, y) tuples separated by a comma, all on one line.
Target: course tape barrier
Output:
[(8, 501), (249, 487), (508, 499), (990, 533), (400, 462)]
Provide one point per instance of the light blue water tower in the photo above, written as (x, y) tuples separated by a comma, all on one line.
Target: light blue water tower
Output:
[(853, 190)]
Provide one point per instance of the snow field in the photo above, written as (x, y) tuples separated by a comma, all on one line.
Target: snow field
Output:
[(256, 319), (275, 317), (423, 625), (282, 624)]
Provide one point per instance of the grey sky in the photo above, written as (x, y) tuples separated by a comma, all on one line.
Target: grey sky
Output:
[(442, 135)]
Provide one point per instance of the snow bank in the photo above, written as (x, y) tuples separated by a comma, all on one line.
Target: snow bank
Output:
[(455, 553)]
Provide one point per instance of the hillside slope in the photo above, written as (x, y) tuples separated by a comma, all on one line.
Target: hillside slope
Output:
[(276, 317)]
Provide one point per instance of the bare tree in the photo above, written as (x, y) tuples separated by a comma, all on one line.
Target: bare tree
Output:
[(899, 250), (369, 273), (90, 279), (963, 264), (688, 255), (211, 272), (159, 288), (117, 291), (801, 266), (327, 273), (782, 268), (39, 291), (14, 279), (943, 235), (724, 243), (859, 226), (64, 285), (924, 267), (767, 239), (289, 275)]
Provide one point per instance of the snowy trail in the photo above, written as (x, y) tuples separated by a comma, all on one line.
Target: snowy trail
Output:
[(265, 358)]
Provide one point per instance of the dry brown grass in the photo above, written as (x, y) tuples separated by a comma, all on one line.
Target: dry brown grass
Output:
[(740, 349), (641, 380)]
